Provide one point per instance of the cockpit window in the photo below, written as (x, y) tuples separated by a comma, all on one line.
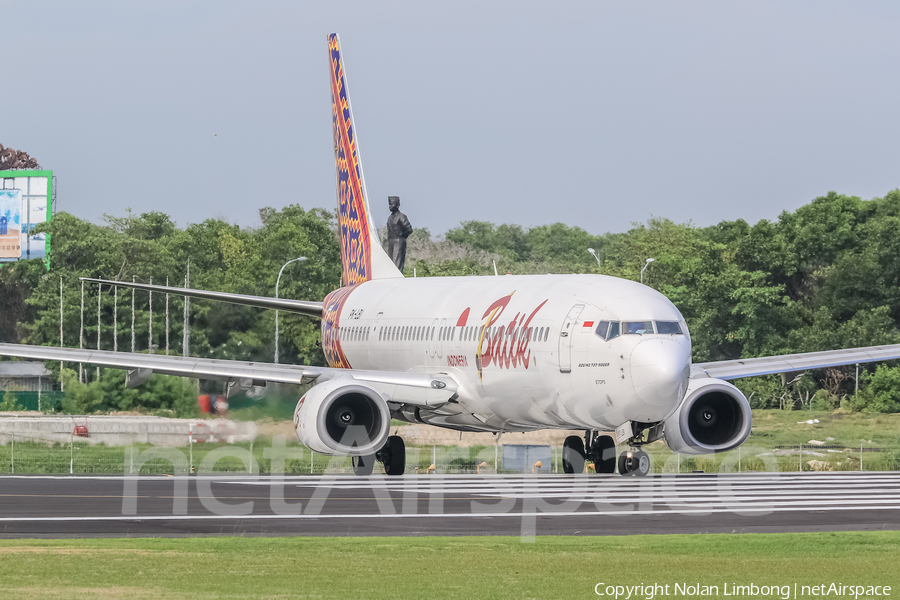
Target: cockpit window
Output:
[(613, 330), (638, 327), (670, 327), (607, 330)]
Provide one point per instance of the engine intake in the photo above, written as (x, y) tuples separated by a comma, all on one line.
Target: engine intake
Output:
[(342, 417), (713, 417)]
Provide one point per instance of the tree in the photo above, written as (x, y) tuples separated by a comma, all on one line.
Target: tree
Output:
[(16, 159), (880, 392)]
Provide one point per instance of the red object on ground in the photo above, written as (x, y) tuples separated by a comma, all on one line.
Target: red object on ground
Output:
[(81, 431), (204, 402)]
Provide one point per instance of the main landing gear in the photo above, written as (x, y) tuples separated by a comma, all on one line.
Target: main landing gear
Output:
[(600, 449), (392, 456)]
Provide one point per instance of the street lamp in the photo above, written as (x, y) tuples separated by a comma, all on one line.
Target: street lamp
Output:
[(594, 254), (278, 281), (646, 264)]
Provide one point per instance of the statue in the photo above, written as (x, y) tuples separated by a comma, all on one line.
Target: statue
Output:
[(398, 229)]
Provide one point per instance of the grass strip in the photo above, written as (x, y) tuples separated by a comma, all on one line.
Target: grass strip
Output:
[(438, 567)]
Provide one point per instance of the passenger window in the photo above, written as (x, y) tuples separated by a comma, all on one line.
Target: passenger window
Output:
[(670, 327), (546, 333), (637, 327)]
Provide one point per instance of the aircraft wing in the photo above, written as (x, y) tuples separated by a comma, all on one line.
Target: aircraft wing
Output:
[(413, 388), (787, 363), (312, 309)]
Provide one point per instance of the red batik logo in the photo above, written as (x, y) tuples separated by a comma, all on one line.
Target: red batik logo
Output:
[(504, 345)]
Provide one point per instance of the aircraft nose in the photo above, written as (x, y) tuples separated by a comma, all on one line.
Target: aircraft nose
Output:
[(660, 369)]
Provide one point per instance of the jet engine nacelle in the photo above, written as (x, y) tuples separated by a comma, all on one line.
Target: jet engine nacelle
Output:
[(713, 417), (343, 417)]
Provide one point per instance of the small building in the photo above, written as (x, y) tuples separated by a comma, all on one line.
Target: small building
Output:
[(21, 376)]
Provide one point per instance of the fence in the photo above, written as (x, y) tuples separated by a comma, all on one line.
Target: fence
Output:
[(45, 401), (21, 454)]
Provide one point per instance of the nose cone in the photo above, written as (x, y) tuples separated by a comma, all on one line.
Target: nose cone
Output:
[(660, 369)]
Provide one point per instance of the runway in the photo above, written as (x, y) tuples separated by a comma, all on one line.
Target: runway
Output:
[(115, 506)]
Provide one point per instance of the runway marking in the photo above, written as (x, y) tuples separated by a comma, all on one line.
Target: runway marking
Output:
[(545, 478), (594, 513)]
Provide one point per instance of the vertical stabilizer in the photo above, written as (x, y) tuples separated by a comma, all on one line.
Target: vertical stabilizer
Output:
[(362, 256)]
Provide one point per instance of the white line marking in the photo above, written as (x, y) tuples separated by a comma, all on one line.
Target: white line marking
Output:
[(595, 513)]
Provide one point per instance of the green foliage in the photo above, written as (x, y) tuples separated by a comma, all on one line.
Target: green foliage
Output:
[(160, 393), (881, 391), (221, 256), (80, 398), (10, 403)]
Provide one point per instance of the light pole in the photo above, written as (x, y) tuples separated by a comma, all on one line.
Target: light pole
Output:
[(597, 258), (646, 264), (278, 281)]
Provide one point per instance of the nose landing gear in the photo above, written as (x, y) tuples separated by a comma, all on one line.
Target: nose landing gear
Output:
[(634, 462)]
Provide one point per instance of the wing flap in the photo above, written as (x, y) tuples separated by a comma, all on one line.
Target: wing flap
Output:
[(769, 365)]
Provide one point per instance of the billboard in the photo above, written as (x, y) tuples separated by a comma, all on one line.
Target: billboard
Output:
[(25, 202), (10, 224)]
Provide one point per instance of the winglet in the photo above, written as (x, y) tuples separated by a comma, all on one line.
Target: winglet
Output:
[(362, 256)]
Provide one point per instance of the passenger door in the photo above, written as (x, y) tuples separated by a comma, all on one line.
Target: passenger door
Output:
[(565, 338)]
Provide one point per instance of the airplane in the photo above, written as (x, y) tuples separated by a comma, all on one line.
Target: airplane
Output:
[(482, 353)]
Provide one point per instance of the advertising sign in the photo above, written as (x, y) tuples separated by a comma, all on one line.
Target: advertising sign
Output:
[(10, 224), (25, 202)]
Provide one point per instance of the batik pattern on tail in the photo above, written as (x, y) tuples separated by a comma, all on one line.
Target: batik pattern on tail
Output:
[(331, 325), (353, 217)]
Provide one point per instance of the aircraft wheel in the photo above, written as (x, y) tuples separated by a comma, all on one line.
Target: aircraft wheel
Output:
[(623, 464), (603, 454), (573, 455), (362, 465), (393, 456), (641, 463)]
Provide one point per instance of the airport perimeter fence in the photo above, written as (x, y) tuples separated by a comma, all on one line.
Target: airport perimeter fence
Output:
[(20, 454)]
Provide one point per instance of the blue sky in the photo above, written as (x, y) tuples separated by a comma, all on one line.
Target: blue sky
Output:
[(595, 114)]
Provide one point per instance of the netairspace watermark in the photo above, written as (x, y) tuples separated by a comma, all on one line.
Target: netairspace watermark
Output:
[(735, 590), (525, 498)]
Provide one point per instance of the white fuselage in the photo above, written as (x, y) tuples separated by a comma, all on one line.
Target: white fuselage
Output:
[(535, 338)]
